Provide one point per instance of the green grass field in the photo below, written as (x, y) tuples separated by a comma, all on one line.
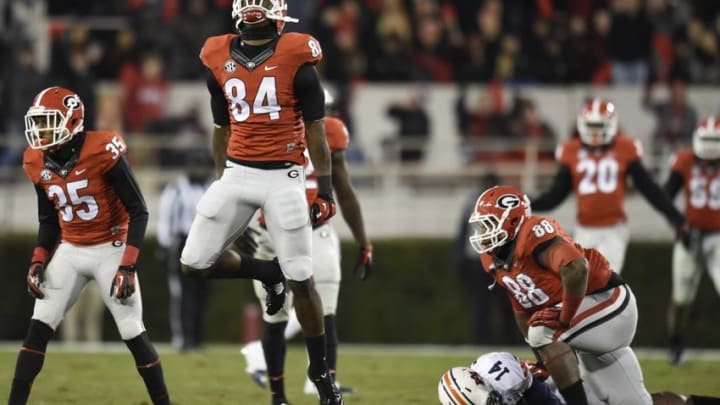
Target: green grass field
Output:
[(380, 375)]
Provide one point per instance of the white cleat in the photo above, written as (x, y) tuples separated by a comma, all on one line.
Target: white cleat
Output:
[(255, 363)]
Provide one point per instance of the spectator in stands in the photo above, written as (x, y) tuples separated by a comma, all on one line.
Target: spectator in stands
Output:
[(23, 80), (432, 55), (413, 128), (197, 22), (145, 90), (394, 33), (629, 42), (79, 77), (482, 300), (526, 122), (675, 119)]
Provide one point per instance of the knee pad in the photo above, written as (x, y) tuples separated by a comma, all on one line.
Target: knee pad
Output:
[(130, 328), (297, 269)]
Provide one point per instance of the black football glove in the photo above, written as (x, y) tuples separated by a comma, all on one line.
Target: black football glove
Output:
[(35, 279), (322, 209), (123, 284), (363, 265), (688, 236), (247, 242)]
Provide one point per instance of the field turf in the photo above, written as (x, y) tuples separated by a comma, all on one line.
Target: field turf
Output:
[(380, 375)]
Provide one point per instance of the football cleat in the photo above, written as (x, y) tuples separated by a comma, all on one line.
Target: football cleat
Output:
[(310, 389), (275, 297), (676, 355), (279, 401), (327, 391)]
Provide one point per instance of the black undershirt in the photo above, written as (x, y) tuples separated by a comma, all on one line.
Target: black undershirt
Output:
[(307, 88), (119, 177)]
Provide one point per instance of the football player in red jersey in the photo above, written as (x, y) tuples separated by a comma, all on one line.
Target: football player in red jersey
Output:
[(568, 303), (92, 222), (267, 105), (596, 166), (268, 356), (696, 171)]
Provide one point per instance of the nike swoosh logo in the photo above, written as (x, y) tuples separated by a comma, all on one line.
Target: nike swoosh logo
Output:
[(270, 68), (79, 172)]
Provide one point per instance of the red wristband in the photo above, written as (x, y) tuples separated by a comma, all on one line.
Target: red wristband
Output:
[(40, 255), (130, 256), (570, 305)]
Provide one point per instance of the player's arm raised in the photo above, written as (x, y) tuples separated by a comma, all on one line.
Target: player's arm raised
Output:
[(311, 97), (221, 128), (122, 180), (351, 212), (557, 193), (47, 238)]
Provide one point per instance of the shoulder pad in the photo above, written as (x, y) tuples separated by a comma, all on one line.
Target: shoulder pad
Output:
[(337, 134), (304, 48), (214, 46)]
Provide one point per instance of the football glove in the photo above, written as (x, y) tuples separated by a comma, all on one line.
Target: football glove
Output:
[(322, 209), (538, 370), (363, 265), (123, 284), (247, 242), (548, 317), (35, 279)]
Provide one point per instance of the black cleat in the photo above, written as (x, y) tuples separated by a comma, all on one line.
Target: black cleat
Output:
[(279, 401), (327, 391), (274, 300)]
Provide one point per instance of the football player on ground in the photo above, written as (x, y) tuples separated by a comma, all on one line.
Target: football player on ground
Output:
[(267, 105), (269, 356), (92, 222), (500, 378), (596, 166), (568, 303), (695, 170)]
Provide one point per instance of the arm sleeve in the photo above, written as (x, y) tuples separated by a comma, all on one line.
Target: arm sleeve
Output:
[(218, 103), (121, 179), (559, 190), (49, 227), (309, 93), (654, 194), (673, 184)]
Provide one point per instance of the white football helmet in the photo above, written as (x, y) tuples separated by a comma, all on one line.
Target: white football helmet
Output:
[(460, 385), (255, 11), (597, 122), (55, 111), (706, 139)]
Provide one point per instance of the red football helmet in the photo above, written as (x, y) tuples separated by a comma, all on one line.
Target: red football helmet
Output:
[(499, 213), (706, 139), (54, 117), (255, 11), (597, 123)]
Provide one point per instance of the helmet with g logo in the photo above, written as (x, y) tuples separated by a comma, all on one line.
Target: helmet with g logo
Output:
[(499, 213), (54, 117)]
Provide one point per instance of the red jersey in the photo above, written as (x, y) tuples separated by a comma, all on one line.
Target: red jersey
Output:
[(266, 122), (89, 210), (599, 178), (529, 285), (701, 185)]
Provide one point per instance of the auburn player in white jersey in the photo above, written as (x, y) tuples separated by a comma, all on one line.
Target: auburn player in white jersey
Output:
[(267, 105), (269, 357), (596, 165), (500, 378), (92, 222), (696, 171)]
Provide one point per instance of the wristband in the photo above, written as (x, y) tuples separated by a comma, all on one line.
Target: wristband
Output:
[(130, 256), (40, 255), (324, 185), (570, 305)]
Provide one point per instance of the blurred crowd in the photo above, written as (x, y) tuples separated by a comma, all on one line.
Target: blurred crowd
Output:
[(145, 45)]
